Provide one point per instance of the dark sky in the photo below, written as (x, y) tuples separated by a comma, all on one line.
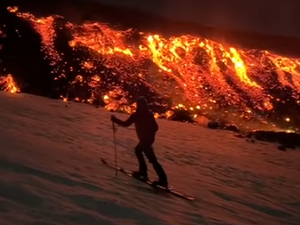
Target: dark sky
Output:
[(279, 17)]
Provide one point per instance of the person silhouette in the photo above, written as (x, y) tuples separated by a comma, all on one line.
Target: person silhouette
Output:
[(146, 128)]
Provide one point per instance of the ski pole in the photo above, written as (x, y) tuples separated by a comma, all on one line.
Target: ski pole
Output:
[(115, 147)]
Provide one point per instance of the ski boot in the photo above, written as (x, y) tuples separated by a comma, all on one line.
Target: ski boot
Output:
[(140, 175), (160, 183)]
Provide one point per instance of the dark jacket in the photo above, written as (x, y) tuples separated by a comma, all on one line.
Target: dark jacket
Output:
[(145, 124)]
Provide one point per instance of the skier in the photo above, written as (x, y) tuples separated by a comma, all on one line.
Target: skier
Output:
[(146, 128)]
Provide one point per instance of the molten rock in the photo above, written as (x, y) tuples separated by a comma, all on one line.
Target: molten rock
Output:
[(87, 58)]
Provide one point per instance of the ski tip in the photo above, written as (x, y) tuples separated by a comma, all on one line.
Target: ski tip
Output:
[(174, 192)]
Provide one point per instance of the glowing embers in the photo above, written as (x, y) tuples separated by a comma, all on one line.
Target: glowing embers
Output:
[(7, 84)]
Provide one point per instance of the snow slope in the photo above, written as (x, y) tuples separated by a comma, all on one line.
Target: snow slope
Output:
[(50, 172)]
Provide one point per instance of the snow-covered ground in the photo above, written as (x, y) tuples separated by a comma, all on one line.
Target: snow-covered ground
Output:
[(50, 171)]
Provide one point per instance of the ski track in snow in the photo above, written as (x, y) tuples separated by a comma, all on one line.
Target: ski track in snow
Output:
[(51, 173)]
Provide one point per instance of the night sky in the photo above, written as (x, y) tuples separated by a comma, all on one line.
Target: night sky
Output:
[(276, 17)]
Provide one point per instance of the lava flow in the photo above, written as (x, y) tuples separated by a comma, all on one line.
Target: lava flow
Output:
[(195, 73), (8, 84)]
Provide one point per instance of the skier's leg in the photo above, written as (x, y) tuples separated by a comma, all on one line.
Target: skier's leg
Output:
[(149, 152), (141, 160)]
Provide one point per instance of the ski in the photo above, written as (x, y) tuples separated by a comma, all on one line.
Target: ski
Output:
[(170, 190)]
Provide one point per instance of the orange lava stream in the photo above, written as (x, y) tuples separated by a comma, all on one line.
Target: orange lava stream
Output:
[(7, 83), (191, 70)]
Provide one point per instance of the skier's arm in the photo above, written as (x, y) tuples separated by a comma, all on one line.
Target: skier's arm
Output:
[(125, 123)]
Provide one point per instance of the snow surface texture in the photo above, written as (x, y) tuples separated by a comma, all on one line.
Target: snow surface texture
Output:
[(51, 173)]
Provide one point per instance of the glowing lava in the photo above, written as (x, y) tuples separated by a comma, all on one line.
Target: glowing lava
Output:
[(7, 84), (196, 73)]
